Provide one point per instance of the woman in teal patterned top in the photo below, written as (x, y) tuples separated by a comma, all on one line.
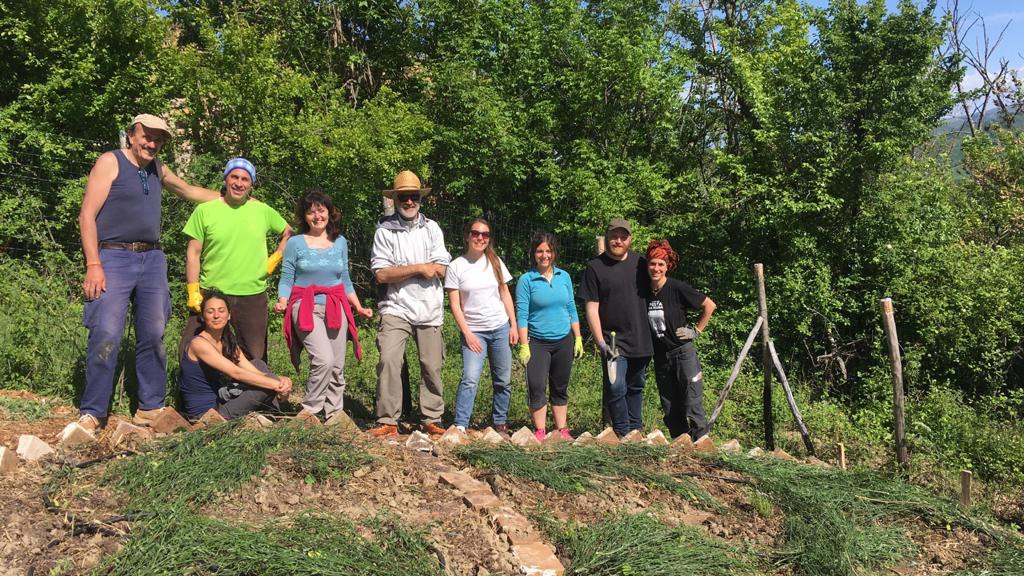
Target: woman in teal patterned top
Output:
[(315, 268)]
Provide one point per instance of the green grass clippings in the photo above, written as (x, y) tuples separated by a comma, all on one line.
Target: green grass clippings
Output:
[(574, 469), (840, 523), (192, 469), (638, 544), (176, 542), (21, 409)]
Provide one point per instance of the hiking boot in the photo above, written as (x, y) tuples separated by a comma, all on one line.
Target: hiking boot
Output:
[(90, 422), (565, 434), (540, 434), (432, 429), (146, 417), (384, 431)]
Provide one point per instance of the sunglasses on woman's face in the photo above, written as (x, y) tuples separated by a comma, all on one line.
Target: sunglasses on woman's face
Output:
[(480, 234), (403, 198)]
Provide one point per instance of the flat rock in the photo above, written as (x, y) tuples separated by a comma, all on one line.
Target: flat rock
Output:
[(608, 437), (210, 418), (343, 423), (491, 437), (126, 432), (756, 452), (255, 421), (8, 461), (31, 448), (524, 437), (584, 439), (75, 435), (536, 559), (454, 436), (732, 447), (419, 441), (553, 438), (633, 436), (816, 462), (783, 455), (683, 443), (704, 444), (169, 422), (656, 438), (308, 419)]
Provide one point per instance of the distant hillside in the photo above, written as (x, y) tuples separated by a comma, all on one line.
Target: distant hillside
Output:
[(949, 134)]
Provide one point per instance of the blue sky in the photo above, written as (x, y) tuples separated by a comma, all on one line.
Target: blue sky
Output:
[(997, 14)]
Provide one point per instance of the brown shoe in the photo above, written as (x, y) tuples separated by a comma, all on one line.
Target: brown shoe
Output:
[(146, 417), (91, 423), (384, 431), (432, 429), (500, 428)]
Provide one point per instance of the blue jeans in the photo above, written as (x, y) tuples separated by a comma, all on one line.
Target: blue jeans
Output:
[(139, 278), (496, 347), (625, 396)]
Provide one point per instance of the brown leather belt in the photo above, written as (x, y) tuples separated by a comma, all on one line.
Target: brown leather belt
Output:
[(131, 246)]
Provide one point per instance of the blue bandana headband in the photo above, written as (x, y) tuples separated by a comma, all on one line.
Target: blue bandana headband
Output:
[(242, 163)]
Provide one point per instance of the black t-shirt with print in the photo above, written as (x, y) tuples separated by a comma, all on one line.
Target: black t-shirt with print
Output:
[(666, 311), (620, 288)]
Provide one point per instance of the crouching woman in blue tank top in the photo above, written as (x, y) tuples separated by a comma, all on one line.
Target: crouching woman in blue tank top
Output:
[(216, 375)]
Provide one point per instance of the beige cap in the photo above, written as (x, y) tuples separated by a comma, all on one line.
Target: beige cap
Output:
[(154, 122)]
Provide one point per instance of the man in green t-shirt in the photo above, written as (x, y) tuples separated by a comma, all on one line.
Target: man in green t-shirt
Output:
[(227, 251)]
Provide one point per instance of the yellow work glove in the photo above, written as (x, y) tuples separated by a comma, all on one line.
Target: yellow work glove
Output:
[(195, 297), (524, 353), (272, 261), (577, 348)]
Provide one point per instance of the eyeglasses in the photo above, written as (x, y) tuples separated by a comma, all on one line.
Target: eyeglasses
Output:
[(144, 175), (480, 234), (408, 198)]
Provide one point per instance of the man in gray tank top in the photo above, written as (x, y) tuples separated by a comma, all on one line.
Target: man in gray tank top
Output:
[(120, 228)]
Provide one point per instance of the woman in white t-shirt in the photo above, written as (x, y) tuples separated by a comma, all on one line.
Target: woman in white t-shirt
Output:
[(482, 305)]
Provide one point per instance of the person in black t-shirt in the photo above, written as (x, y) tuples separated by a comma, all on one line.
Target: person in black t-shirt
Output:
[(614, 285), (676, 367)]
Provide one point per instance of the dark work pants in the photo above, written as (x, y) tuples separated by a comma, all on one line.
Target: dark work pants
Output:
[(248, 320), (681, 388)]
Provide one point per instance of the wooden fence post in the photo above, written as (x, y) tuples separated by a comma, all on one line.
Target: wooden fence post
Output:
[(842, 455), (735, 371), (599, 244), (889, 324), (965, 488), (766, 359)]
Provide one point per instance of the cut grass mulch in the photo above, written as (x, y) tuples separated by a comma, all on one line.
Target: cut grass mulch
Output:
[(639, 544), (843, 523), (176, 542), (575, 469), (192, 469)]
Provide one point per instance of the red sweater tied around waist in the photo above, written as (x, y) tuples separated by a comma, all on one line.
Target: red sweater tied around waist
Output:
[(336, 303)]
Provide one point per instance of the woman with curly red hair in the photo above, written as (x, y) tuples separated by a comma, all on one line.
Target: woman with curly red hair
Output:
[(676, 367)]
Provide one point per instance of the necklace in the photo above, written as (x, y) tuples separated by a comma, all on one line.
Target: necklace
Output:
[(656, 289)]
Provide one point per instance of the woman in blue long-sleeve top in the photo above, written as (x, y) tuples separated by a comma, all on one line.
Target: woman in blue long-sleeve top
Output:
[(318, 300), (546, 314)]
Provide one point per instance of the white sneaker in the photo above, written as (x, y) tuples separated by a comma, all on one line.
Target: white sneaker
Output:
[(461, 429)]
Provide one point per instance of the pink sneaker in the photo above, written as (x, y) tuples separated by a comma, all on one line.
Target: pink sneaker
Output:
[(565, 434), (540, 434)]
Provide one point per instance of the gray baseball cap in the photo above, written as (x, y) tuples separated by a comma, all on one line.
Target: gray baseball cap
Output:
[(619, 223)]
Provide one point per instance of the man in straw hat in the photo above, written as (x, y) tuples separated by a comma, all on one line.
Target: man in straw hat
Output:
[(119, 224), (410, 258), (613, 286)]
